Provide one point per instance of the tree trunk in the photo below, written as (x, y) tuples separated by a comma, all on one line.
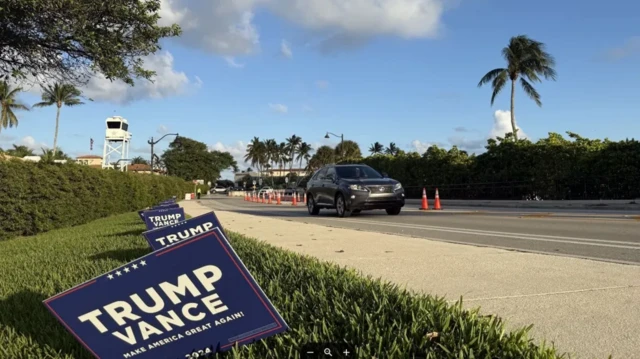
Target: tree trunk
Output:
[(55, 134), (513, 115)]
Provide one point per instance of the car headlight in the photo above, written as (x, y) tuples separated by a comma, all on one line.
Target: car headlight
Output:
[(357, 187), (397, 187)]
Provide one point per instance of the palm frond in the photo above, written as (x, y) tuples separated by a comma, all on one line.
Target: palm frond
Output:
[(530, 91), (498, 85), (44, 104), (490, 76)]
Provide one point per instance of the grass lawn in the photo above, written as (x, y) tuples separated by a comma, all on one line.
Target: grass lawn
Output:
[(320, 301)]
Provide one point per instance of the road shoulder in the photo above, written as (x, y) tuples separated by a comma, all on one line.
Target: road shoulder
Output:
[(585, 307)]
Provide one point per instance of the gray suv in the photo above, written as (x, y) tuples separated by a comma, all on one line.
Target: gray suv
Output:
[(352, 189)]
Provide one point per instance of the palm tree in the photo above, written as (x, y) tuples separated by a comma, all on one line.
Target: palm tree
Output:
[(392, 149), (293, 143), (256, 154), (9, 103), (376, 148), (49, 155), (139, 161), (526, 58), (20, 151), (304, 152), (59, 95)]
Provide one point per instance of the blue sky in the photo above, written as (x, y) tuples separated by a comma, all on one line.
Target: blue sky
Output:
[(402, 73)]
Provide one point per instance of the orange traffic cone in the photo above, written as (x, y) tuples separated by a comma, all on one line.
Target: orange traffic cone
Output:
[(425, 204), (305, 198), (278, 198), (270, 199), (293, 200), (436, 205)]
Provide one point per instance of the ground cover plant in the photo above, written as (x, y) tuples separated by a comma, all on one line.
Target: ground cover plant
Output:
[(321, 302)]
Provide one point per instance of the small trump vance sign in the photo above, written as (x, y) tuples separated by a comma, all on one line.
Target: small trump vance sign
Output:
[(165, 236), (156, 218), (193, 296)]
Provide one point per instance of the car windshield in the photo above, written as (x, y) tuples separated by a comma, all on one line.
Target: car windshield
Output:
[(357, 172)]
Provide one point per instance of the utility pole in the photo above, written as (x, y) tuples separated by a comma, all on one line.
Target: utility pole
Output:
[(152, 143)]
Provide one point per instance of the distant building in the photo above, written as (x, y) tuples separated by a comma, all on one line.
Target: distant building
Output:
[(143, 169), (90, 160)]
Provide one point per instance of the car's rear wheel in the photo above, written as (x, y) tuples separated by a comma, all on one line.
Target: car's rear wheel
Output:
[(341, 206), (393, 211), (311, 206)]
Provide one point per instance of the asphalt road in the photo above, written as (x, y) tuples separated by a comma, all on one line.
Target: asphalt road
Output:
[(607, 236)]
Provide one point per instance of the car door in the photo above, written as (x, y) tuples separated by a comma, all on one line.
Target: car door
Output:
[(315, 185), (329, 186)]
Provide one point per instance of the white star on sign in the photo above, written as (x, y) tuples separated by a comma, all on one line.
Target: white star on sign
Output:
[(143, 263), (118, 273), (126, 269), (110, 276), (134, 266)]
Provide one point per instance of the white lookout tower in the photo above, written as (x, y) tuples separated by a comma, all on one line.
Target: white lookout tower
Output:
[(116, 143)]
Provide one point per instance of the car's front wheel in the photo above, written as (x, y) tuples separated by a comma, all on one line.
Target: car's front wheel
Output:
[(393, 211), (341, 206), (311, 206)]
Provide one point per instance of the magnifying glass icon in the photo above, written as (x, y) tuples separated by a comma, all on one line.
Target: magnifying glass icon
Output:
[(327, 351)]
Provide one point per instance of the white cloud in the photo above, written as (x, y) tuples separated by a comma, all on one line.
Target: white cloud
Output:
[(237, 149), (468, 144), (278, 107), (31, 143), (322, 84), (166, 83), (233, 63), (420, 147), (162, 130), (226, 27), (502, 125), (285, 49)]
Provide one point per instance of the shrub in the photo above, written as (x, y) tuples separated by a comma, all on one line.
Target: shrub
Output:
[(38, 197), (321, 302)]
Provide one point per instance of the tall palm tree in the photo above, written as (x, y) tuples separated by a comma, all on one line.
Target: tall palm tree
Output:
[(304, 153), (526, 58), (59, 94), (271, 154), (293, 143), (392, 149), (9, 103), (256, 154), (376, 148)]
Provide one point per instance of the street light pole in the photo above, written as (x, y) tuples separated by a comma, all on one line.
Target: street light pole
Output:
[(152, 143), (341, 141)]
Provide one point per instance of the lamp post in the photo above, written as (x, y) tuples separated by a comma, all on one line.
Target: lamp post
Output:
[(341, 141), (152, 143)]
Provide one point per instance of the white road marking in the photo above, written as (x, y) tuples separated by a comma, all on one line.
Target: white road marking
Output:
[(477, 232)]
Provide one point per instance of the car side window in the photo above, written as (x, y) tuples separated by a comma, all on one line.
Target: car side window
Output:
[(321, 173), (331, 172)]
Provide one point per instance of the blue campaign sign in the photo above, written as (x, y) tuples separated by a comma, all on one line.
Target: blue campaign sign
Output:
[(168, 205), (155, 218), (196, 295), (165, 236), (160, 206)]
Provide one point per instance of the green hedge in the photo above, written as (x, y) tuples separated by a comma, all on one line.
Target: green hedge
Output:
[(38, 197), (321, 302), (555, 168)]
